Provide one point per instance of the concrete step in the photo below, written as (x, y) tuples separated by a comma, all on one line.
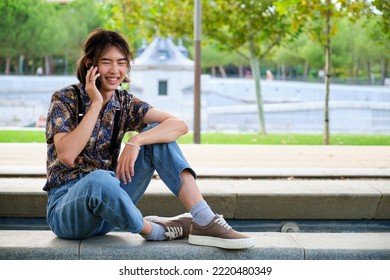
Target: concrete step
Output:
[(44, 245), (235, 198)]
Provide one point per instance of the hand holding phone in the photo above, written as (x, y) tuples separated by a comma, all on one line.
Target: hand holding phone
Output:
[(92, 84), (98, 80)]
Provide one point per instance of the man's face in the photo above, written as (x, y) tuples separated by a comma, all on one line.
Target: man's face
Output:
[(113, 67)]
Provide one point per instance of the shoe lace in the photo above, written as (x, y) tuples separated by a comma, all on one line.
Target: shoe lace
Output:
[(173, 232), (221, 221)]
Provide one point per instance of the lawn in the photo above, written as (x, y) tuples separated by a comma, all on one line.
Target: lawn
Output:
[(38, 136)]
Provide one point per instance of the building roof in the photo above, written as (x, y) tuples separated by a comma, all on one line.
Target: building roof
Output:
[(162, 53)]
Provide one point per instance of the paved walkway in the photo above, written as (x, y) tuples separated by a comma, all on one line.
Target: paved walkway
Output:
[(230, 156), (43, 245)]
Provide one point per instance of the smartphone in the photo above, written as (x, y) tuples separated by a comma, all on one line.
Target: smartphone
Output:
[(98, 81)]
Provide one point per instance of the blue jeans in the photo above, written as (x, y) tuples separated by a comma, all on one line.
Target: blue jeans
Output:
[(97, 202)]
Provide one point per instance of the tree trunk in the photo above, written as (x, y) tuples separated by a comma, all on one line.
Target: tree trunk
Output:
[(384, 63), (369, 73), (222, 70), (255, 68), (213, 71), (240, 71), (15, 63), (7, 65), (306, 71), (357, 70), (284, 77), (47, 65), (31, 66), (21, 64), (66, 63), (327, 77), (351, 75)]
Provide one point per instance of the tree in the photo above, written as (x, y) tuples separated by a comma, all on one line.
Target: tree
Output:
[(127, 17), (82, 17), (213, 57), (36, 29), (299, 51), (384, 21), (249, 27), (143, 20), (13, 16), (383, 38), (369, 47), (320, 20), (253, 26)]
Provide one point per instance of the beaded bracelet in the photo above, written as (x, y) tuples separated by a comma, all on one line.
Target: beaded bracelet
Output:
[(134, 145)]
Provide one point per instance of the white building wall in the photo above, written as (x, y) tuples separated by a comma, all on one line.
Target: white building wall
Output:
[(177, 80), (227, 104)]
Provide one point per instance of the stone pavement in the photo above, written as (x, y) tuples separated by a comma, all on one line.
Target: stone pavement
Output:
[(43, 245), (244, 182), (243, 156)]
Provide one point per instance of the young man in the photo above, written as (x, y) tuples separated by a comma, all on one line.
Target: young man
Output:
[(92, 190)]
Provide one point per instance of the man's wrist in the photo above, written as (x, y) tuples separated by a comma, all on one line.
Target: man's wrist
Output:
[(133, 145)]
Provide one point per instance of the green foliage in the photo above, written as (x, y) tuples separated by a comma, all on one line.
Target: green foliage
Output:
[(252, 25), (14, 16), (298, 51), (311, 15), (37, 28), (384, 21), (353, 46), (213, 55)]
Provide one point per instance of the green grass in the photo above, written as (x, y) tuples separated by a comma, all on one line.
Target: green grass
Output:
[(287, 139), (22, 136), (34, 136)]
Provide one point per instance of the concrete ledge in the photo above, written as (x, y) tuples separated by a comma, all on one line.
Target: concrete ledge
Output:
[(33, 245), (307, 199), (235, 199), (291, 172), (23, 171), (44, 245), (344, 246), (383, 209)]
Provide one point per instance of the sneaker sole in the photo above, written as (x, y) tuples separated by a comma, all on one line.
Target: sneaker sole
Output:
[(158, 218), (221, 242)]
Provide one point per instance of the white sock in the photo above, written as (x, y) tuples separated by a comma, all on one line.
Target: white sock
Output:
[(157, 234), (202, 213)]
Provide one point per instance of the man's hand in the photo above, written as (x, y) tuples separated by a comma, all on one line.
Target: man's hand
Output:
[(90, 85), (125, 167)]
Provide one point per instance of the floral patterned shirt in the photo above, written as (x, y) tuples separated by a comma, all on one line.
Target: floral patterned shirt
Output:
[(62, 117)]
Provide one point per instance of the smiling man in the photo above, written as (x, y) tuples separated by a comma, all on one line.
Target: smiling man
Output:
[(91, 188)]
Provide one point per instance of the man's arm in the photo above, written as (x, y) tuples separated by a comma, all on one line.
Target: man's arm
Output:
[(69, 145), (170, 128)]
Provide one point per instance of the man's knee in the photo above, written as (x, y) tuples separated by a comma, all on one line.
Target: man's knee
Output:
[(101, 179), (99, 176)]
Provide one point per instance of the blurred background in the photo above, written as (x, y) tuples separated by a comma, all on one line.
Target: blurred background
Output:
[(267, 66)]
